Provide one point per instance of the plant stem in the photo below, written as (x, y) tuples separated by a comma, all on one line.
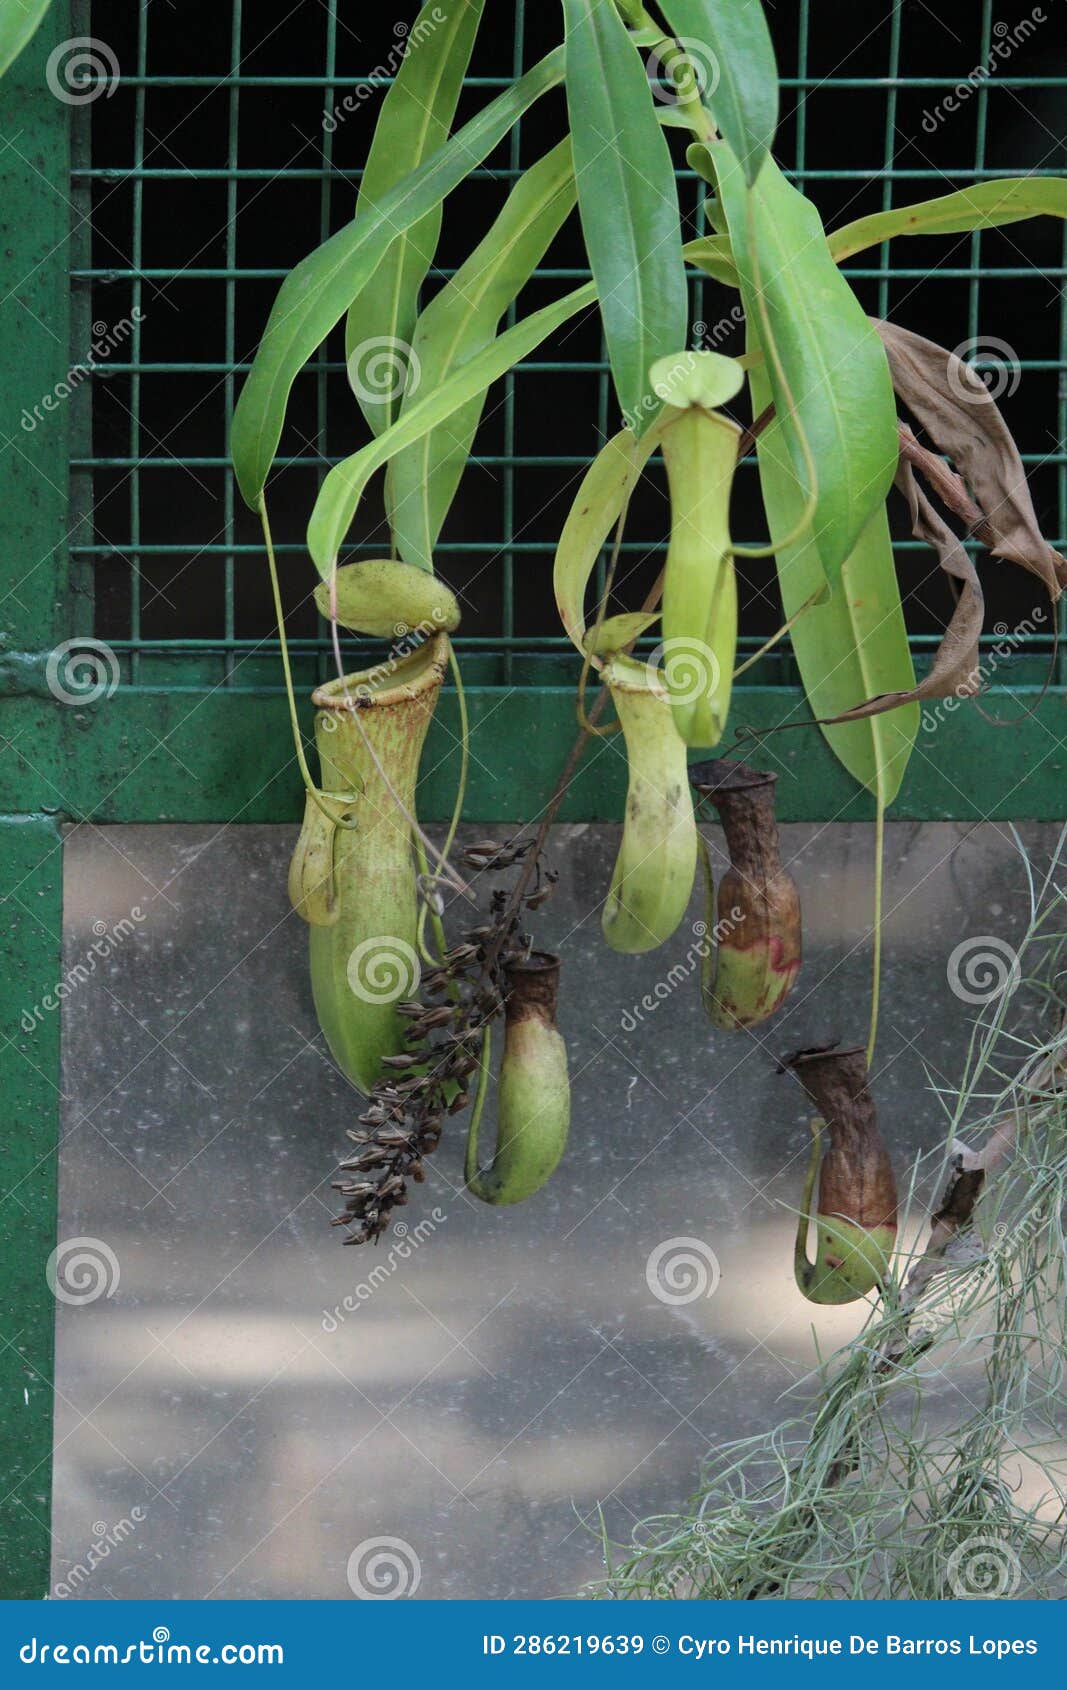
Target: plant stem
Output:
[(298, 743), (876, 966), (470, 1160)]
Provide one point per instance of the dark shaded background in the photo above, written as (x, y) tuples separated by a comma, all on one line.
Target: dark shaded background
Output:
[(181, 227)]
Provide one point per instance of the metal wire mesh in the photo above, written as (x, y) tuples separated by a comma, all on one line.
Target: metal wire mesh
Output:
[(206, 170)]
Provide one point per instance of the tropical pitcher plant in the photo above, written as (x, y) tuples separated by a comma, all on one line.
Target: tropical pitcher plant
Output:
[(408, 1007)]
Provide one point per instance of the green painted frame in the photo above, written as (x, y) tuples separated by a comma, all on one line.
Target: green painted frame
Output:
[(34, 541), (176, 744)]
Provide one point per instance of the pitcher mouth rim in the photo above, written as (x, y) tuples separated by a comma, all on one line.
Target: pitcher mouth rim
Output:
[(823, 1053), (393, 681), (538, 962), (728, 777)]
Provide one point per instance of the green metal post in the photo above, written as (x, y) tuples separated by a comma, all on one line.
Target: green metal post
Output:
[(35, 222)]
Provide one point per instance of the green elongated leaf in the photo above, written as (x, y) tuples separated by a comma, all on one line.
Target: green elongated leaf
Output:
[(414, 122), (852, 645), (315, 295), (604, 489), (628, 202), (343, 488), (713, 255), (729, 46), (19, 23), (616, 633), (837, 391), (421, 481), (986, 205)]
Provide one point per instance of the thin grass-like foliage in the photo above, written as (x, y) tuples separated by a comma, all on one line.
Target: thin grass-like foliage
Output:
[(931, 1462)]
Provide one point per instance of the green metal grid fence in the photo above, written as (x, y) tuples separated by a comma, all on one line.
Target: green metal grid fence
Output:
[(133, 554)]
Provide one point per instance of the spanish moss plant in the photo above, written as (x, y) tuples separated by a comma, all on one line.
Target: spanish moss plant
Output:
[(875, 1485)]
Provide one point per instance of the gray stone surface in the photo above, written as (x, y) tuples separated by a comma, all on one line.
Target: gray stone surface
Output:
[(513, 1371)]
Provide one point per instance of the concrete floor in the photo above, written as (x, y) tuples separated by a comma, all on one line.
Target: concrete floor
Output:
[(221, 1432)]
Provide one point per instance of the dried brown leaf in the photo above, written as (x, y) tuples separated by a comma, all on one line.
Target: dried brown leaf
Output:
[(960, 415), (955, 670)]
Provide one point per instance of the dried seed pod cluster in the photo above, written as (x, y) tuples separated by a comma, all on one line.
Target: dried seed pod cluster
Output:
[(432, 1076)]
